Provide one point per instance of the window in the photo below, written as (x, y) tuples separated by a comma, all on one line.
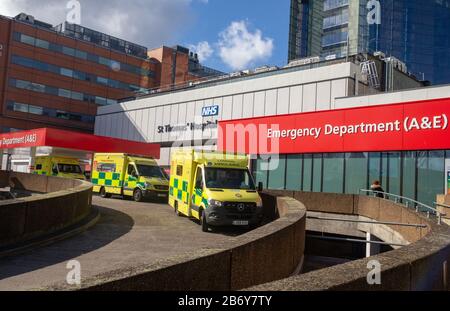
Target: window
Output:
[(20, 107), (106, 167), (77, 96), (131, 170), (100, 101), (179, 170), (102, 80), (64, 93), (355, 172), (62, 115), (277, 173), (36, 110), (294, 164), (66, 72), (104, 61), (199, 179), (68, 51), (307, 172), (42, 44), (81, 54), (227, 178), (27, 39), (333, 172), (69, 169)]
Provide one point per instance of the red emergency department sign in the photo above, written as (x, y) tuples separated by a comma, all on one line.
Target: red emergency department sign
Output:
[(422, 125)]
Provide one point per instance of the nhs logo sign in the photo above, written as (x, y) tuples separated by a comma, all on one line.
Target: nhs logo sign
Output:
[(210, 111)]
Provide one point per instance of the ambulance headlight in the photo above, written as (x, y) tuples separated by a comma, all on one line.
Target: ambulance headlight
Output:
[(215, 203), (147, 185)]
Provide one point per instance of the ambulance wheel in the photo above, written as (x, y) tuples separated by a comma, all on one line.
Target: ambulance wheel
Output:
[(203, 223), (104, 194), (137, 195)]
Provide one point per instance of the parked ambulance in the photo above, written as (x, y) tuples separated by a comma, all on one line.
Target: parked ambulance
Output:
[(215, 188), (58, 166), (127, 175)]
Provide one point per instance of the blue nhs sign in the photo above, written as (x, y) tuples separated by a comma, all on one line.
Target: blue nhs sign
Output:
[(210, 111)]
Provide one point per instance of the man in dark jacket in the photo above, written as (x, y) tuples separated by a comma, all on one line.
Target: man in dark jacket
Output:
[(376, 186)]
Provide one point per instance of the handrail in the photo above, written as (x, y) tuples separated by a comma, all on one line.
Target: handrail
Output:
[(408, 201)]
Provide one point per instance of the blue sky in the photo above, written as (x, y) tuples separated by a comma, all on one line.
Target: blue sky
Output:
[(230, 34), (269, 16)]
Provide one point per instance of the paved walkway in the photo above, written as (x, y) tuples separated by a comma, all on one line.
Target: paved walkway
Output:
[(127, 234)]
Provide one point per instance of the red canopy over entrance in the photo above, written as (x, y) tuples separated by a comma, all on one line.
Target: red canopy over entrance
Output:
[(47, 137)]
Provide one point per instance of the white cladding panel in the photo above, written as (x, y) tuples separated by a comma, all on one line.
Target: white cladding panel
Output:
[(279, 93)]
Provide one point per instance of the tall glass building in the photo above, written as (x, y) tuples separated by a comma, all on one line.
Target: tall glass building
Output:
[(414, 31)]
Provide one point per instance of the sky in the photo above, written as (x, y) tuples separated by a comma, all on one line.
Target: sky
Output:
[(228, 35)]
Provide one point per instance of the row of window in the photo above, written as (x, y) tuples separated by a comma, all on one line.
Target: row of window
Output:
[(336, 20), (86, 34), (112, 64), (417, 175), (75, 74), (335, 37), (48, 112), (334, 4), (41, 88)]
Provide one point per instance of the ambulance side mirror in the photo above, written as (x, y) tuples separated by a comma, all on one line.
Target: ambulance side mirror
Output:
[(260, 187)]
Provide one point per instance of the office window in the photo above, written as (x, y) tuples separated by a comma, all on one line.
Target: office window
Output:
[(100, 101), (77, 96), (20, 107), (64, 93), (36, 110), (62, 115), (42, 44), (68, 51), (277, 172), (66, 72), (102, 80), (294, 164), (81, 55), (27, 39), (333, 172), (104, 61), (355, 172)]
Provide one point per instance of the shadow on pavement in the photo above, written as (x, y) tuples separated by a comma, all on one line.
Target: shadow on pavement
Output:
[(112, 225)]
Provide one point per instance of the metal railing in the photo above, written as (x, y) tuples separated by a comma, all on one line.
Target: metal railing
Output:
[(408, 202)]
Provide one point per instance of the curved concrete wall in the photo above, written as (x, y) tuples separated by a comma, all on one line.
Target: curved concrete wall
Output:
[(271, 252), (422, 265), (59, 203)]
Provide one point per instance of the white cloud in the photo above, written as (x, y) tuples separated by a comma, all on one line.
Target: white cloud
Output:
[(147, 22), (239, 47), (203, 49)]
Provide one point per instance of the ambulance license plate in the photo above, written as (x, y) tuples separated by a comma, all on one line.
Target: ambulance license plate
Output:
[(161, 195), (240, 223)]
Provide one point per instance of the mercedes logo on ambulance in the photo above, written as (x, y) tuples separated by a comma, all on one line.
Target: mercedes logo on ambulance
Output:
[(241, 207)]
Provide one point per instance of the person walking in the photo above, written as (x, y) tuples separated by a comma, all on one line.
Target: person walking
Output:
[(376, 186)]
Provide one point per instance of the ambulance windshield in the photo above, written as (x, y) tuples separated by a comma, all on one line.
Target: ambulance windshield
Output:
[(69, 169), (150, 171), (226, 178)]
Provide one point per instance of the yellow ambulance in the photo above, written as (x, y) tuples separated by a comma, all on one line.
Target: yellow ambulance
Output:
[(127, 175), (215, 188), (58, 166)]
